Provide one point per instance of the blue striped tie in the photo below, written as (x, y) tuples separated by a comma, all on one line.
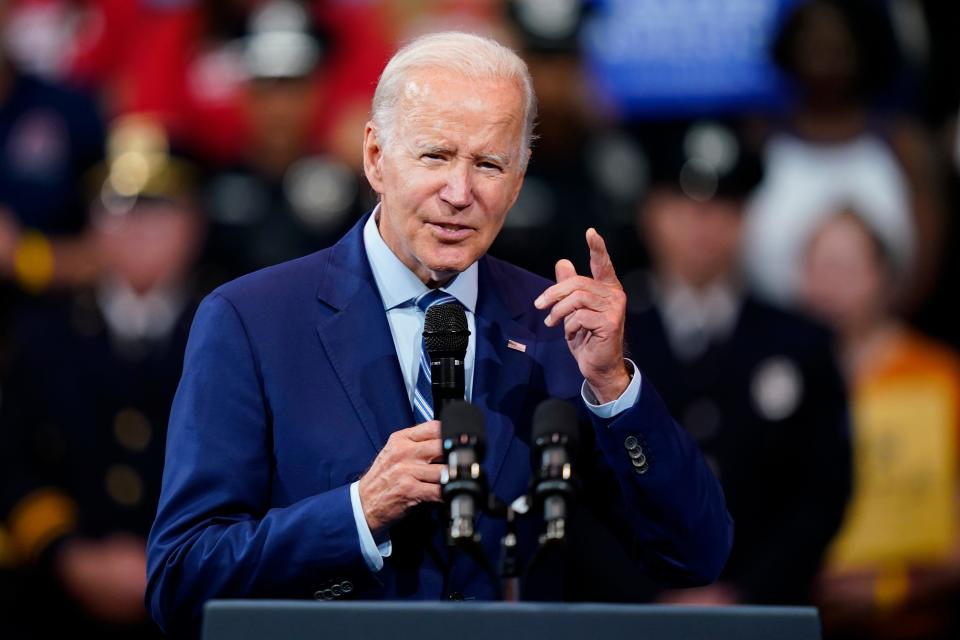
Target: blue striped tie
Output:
[(423, 394)]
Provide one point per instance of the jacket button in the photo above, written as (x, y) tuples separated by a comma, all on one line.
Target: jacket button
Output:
[(631, 443), (455, 595), (346, 586), (323, 594)]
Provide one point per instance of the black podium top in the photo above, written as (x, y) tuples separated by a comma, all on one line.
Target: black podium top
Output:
[(300, 620)]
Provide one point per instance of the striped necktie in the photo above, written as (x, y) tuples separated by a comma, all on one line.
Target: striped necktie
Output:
[(423, 394)]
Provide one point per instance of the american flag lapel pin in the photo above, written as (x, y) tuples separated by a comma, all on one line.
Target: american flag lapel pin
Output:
[(519, 346)]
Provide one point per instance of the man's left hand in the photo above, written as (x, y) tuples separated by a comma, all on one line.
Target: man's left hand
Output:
[(593, 311)]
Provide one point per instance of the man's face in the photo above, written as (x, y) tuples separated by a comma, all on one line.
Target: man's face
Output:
[(155, 245), (278, 113), (450, 174), (695, 242)]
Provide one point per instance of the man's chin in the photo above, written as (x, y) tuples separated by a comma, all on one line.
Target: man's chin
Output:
[(442, 274), (441, 263), (446, 264)]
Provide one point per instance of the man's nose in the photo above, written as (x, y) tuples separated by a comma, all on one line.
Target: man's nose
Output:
[(458, 189)]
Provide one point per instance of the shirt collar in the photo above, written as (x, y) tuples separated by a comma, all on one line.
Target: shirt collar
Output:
[(398, 285), (132, 315), (694, 318)]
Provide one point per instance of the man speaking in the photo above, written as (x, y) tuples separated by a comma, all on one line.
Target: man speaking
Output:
[(302, 460)]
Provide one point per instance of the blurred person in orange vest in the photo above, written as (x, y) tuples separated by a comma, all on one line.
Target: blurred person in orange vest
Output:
[(894, 569)]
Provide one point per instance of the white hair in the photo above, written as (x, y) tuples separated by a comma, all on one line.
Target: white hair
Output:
[(472, 56)]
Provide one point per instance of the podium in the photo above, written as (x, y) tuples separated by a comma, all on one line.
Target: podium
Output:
[(300, 620)]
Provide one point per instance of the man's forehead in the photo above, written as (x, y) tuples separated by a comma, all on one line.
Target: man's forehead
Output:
[(436, 113), (441, 86)]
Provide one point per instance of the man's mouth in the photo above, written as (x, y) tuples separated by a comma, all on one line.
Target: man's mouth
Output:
[(448, 232)]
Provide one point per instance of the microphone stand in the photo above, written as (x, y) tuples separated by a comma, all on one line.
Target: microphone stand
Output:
[(509, 562), (470, 544)]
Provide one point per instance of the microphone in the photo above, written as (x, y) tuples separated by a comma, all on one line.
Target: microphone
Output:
[(555, 437), (463, 484), (445, 337)]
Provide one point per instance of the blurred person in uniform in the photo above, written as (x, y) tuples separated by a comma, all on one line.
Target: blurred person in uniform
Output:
[(839, 145), (284, 199), (50, 137), (894, 569), (86, 399), (584, 172), (758, 388)]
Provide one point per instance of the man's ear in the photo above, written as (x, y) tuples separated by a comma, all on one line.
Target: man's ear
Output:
[(372, 158)]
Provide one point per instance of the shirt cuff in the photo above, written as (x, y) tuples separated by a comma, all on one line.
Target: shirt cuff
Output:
[(626, 400), (373, 552)]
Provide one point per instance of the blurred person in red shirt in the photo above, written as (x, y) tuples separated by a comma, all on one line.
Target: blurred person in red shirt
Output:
[(185, 65)]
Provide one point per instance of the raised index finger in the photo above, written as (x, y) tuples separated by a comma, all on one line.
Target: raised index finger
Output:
[(600, 264)]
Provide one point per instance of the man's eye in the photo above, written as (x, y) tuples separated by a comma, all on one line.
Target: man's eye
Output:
[(490, 165), (432, 156)]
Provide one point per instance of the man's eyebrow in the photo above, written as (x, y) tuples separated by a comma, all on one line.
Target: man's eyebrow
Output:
[(501, 159), (495, 158), (433, 148)]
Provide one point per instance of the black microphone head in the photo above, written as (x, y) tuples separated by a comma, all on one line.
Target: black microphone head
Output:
[(555, 420), (445, 331), (462, 424)]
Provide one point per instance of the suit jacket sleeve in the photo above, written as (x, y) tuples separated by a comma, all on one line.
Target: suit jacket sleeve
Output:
[(674, 508), (214, 534)]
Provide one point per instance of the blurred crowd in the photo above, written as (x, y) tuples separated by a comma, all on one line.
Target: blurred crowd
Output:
[(788, 267)]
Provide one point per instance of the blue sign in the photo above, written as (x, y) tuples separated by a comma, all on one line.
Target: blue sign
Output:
[(685, 57)]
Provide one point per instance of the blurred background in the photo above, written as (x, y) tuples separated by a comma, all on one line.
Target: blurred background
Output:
[(776, 179)]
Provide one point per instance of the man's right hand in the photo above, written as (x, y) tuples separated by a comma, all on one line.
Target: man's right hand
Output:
[(405, 473)]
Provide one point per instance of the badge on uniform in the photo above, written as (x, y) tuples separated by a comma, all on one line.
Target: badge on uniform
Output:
[(776, 388)]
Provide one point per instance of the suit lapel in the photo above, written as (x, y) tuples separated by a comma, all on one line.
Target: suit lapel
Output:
[(358, 341), (360, 347), (502, 372)]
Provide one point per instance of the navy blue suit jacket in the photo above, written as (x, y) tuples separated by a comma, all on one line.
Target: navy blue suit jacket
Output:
[(291, 385)]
